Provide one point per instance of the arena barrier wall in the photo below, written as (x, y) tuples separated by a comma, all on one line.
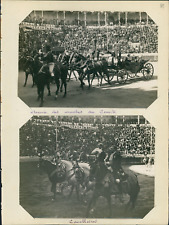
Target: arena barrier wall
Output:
[(134, 159), (153, 57)]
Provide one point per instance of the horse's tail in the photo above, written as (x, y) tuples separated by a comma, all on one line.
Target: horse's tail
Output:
[(134, 190)]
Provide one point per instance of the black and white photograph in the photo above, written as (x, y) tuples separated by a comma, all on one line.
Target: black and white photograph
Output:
[(87, 166), (84, 112), (98, 59)]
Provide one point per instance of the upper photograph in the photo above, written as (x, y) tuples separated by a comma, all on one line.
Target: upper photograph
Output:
[(88, 59)]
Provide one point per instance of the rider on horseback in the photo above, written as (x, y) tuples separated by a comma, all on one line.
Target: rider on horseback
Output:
[(56, 159), (48, 64), (48, 57), (75, 159), (116, 167), (60, 168), (101, 174), (78, 171)]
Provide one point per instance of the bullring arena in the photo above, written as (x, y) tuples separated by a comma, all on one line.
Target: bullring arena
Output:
[(42, 136)]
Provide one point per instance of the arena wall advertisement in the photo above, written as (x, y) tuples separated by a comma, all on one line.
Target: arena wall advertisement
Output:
[(98, 152)]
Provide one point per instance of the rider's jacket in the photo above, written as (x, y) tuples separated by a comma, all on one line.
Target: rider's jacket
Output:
[(45, 70), (48, 57), (115, 161)]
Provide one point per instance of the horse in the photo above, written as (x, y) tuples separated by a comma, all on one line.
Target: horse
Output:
[(44, 76), (92, 68), (28, 67), (74, 177), (69, 60), (60, 72), (105, 185), (74, 62), (99, 69)]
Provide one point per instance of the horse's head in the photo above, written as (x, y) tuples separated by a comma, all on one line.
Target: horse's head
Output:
[(45, 165)]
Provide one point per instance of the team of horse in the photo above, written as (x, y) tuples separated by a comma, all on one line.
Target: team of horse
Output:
[(90, 177), (61, 71)]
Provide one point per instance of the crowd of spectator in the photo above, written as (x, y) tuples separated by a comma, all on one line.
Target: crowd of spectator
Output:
[(127, 39), (131, 39), (130, 139)]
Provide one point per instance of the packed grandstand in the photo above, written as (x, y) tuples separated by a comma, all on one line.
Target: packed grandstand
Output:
[(132, 135), (127, 32)]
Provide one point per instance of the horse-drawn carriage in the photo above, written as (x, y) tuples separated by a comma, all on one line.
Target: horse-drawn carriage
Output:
[(129, 69)]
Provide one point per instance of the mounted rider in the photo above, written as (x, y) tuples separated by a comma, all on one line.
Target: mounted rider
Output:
[(100, 155), (48, 63), (60, 167), (75, 158), (56, 158), (102, 171), (48, 55), (119, 175), (78, 171)]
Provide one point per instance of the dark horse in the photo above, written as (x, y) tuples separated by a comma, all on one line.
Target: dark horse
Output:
[(28, 67), (105, 185), (44, 75), (91, 69), (69, 176), (42, 78), (60, 72)]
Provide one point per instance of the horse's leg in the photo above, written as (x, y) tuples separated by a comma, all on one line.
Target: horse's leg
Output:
[(61, 87), (69, 74), (89, 207), (33, 82), (91, 202), (74, 75), (53, 189), (81, 80), (71, 191), (65, 86), (101, 76), (77, 191), (48, 87), (58, 86), (108, 197), (134, 194), (26, 78), (98, 74), (41, 95), (88, 78), (107, 74), (38, 91), (93, 78)]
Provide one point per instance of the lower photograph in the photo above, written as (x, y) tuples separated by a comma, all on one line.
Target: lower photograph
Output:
[(87, 166)]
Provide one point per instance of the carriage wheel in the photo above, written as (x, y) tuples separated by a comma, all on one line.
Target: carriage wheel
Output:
[(148, 71), (111, 76), (122, 77)]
